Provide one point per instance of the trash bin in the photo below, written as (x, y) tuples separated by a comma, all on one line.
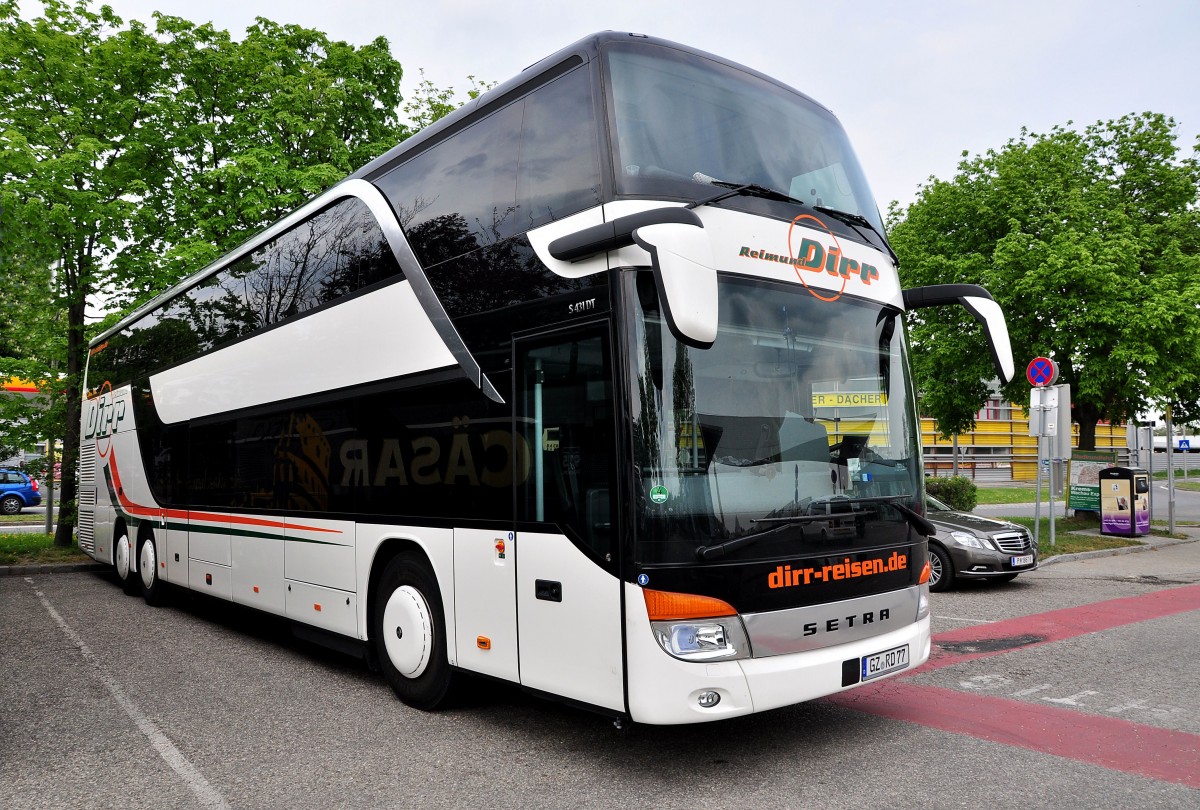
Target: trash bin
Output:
[(1124, 501)]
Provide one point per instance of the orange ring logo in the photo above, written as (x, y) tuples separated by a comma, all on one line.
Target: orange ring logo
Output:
[(799, 266)]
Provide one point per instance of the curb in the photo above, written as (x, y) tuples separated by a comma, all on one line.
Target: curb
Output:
[(1113, 552), (49, 568)]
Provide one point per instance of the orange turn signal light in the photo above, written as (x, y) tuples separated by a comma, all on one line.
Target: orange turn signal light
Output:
[(925, 574), (483, 642), (664, 606)]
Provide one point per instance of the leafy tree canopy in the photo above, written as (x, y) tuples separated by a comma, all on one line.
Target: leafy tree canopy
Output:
[(1090, 241), (131, 157)]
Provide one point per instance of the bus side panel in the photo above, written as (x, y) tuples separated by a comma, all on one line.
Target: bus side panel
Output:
[(485, 603), (326, 608), (208, 539), (320, 552), (175, 552), (570, 612), (258, 573), (210, 579)]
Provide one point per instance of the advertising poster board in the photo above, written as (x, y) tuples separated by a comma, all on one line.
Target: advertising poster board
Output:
[(1083, 477)]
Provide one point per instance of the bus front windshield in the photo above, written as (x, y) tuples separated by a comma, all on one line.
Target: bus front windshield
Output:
[(793, 434), (682, 121)]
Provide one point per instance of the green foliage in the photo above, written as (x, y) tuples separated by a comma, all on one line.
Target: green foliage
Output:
[(429, 103), (1006, 495), (1090, 241), (957, 492), (28, 548), (131, 157)]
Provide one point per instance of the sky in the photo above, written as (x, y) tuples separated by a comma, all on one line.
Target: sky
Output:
[(914, 83)]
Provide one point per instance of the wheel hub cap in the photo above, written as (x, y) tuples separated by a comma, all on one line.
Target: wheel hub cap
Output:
[(148, 564), (121, 557), (408, 631)]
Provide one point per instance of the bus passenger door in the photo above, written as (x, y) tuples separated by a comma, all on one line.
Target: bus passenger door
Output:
[(568, 591)]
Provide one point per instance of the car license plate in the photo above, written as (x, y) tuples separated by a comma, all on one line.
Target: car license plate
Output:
[(881, 663), (1027, 559)]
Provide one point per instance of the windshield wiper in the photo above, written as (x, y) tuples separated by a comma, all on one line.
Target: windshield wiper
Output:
[(721, 549), (914, 518), (739, 189), (854, 220)]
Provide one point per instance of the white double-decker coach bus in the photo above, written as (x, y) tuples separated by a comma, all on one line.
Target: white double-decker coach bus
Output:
[(597, 386)]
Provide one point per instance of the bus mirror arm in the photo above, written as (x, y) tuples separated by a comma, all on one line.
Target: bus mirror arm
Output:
[(979, 303), (680, 255), (617, 233)]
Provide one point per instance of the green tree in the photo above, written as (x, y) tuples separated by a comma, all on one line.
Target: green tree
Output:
[(1090, 241), (129, 158), (30, 344)]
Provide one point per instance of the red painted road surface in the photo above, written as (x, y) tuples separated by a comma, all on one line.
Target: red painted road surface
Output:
[(1171, 756)]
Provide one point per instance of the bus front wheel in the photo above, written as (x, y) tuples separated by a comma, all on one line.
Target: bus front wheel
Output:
[(410, 633)]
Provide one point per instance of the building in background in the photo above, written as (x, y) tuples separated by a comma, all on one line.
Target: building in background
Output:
[(1000, 447)]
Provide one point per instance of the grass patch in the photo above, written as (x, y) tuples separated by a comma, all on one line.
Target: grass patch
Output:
[(32, 548), (1067, 543), (22, 518), (990, 495)]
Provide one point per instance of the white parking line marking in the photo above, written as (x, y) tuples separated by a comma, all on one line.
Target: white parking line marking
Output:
[(971, 621), (206, 793)]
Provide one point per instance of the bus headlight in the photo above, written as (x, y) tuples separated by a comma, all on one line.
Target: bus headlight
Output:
[(708, 640)]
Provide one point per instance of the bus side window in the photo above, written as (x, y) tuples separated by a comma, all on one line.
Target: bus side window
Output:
[(558, 174)]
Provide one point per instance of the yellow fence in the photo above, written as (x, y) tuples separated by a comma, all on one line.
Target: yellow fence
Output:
[(1008, 444)]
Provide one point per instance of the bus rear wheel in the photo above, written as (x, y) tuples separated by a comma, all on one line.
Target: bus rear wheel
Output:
[(409, 633), (123, 560)]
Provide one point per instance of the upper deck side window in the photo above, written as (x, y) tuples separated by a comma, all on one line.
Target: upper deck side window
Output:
[(526, 164), (328, 256)]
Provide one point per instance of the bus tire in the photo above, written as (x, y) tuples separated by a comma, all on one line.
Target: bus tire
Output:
[(409, 632), (941, 570), (148, 569), (123, 560)]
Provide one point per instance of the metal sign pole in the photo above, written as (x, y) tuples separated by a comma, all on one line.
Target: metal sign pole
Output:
[(1037, 507), (1170, 476), (1050, 488), (1041, 373)]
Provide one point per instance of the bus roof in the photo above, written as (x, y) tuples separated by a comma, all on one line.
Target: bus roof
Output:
[(577, 53)]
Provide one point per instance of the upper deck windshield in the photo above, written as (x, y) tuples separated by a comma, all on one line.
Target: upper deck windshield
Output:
[(793, 434), (682, 120)]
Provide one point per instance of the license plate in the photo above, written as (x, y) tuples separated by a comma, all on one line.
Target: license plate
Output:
[(1017, 562), (881, 663)]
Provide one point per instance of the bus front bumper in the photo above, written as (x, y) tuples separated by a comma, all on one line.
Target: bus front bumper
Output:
[(664, 690)]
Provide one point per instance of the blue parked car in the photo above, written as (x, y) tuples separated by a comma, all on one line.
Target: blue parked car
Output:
[(17, 490)]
